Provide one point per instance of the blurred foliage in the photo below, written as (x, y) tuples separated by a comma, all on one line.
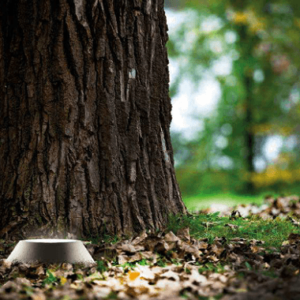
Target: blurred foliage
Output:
[(260, 94)]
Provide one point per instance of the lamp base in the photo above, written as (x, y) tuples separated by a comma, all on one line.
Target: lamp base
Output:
[(50, 251)]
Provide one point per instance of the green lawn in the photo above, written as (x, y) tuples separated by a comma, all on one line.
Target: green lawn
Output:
[(203, 201), (210, 226)]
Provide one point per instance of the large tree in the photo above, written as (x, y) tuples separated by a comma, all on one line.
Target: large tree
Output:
[(84, 117)]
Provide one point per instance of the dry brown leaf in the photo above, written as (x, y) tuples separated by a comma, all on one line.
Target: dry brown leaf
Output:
[(212, 258), (256, 249), (238, 240), (196, 277), (202, 245), (293, 221), (135, 257), (162, 247), (231, 226), (122, 259), (40, 271), (184, 234), (139, 239), (24, 281), (256, 242), (235, 214), (170, 275), (171, 237), (67, 266), (186, 248), (294, 238), (149, 255), (130, 248), (38, 296), (151, 242), (145, 272), (217, 249)]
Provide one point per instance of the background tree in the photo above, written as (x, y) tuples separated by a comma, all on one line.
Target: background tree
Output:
[(84, 118), (259, 95)]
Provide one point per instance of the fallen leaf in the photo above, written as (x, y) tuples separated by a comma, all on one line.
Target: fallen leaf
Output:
[(139, 239), (40, 271), (170, 275), (231, 226), (171, 237), (63, 280), (184, 234), (133, 275), (235, 214)]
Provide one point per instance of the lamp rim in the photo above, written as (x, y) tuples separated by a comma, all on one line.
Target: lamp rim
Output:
[(50, 241)]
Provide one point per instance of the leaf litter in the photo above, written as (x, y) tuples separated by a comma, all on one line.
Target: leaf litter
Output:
[(175, 264)]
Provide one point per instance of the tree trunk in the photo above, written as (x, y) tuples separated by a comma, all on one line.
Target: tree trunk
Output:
[(247, 44), (84, 118), (249, 135)]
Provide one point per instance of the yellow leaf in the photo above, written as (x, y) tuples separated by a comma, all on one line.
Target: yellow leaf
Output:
[(240, 18), (286, 130), (63, 280), (257, 26), (133, 275), (297, 22)]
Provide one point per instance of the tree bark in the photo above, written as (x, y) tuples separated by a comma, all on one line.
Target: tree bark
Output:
[(247, 44), (84, 118), (249, 135)]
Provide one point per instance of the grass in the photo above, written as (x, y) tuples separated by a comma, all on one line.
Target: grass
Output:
[(202, 201), (273, 232), (50, 279)]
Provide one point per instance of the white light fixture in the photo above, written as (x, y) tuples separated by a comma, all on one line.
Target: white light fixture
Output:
[(50, 251)]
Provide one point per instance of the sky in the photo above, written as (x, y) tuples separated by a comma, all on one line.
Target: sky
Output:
[(190, 102)]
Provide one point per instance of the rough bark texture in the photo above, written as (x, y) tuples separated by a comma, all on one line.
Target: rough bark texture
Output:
[(84, 117)]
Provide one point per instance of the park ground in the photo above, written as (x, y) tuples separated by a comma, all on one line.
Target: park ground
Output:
[(249, 251)]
